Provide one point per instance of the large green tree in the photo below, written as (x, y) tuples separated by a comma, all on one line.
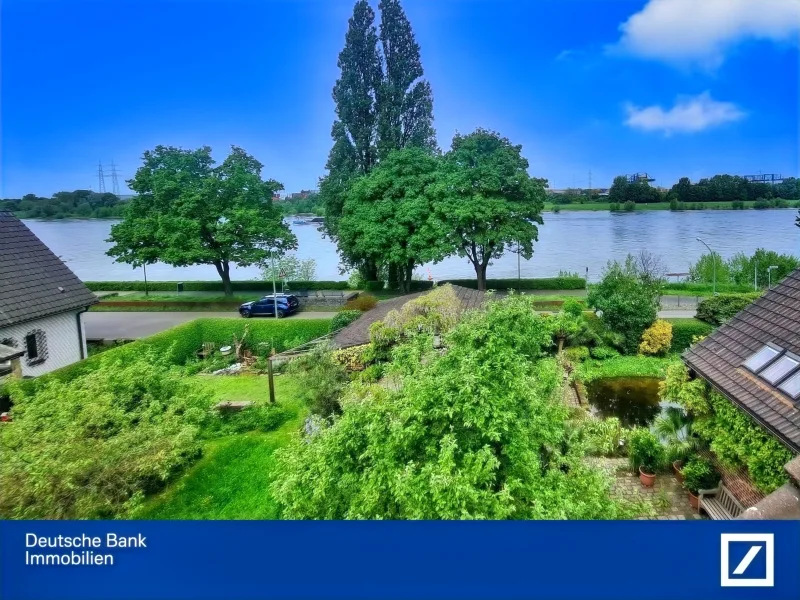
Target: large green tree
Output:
[(488, 200), (389, 215), (190, 212)]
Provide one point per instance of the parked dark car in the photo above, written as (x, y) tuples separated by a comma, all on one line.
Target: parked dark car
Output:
[(286, 305)]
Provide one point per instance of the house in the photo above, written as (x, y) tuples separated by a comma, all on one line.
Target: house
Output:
[(41, 302), (753, 360)]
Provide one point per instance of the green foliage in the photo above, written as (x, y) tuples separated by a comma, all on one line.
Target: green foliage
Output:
[(290, 268), (733, 437), (699, 474), (374, 286), (550, 283), (576, 354), (741, 270), (91, 447), (684, 330), (674, 427), (474, 433), (322, 380), (565, 326), (487, 201), (603, 437), (657, 339), (84, 204), (629, 299), (208, 286), (645, 451), (603, 352), (189, 212), (718, 309), (623, 366), (573, 307), (343, 318), (362, 303)]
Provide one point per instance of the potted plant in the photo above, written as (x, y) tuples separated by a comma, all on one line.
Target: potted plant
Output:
[(699, 474), (646, 455), (674, 427)]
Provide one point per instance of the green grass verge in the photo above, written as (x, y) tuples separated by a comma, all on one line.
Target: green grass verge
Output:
[(596, 206), (232, 479), (624, 366)]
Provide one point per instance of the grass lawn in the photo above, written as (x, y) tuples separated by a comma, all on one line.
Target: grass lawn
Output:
[(232, 479)]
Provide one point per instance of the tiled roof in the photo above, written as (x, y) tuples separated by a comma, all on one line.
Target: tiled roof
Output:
[(357, 333), (775, 318), (31, 275)]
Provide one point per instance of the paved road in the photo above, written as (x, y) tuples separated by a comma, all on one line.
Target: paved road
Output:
[(132, 325)]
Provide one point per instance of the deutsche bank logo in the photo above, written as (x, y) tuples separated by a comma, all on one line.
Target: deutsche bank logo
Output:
[(748, 559)]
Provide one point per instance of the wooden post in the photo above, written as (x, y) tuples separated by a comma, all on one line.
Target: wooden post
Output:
[(271, 382), (16, 368)]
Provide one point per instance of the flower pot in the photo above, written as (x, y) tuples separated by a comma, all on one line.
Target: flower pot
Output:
[(694, 501), (647, 479), (676, 468)]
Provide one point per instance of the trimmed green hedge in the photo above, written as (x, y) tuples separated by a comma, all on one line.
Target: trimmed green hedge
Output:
[(209, 286), (549, 283), (683, 330), (718, 309), (181, 343), (373, 286), (707, 287)]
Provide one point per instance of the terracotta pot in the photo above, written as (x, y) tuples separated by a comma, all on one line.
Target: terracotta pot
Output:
[(694, 501), (647, 479), (676, 468)]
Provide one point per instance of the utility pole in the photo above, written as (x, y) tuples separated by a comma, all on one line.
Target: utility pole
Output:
[(713, 264), (101, 178), (274, 289), (114, 181)]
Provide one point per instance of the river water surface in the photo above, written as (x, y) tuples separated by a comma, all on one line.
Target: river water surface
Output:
[(568, 241)]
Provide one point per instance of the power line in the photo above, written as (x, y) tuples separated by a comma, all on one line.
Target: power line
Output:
[(114, 180), (101, 178)]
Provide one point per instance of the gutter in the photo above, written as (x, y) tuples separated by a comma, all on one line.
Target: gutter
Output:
[(80, 330)]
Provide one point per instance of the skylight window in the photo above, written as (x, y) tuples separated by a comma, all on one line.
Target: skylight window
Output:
[(761, 358), (779, 369), (791, 387)]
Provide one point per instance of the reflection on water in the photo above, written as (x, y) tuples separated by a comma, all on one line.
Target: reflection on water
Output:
[(633, 400), (568, 241)]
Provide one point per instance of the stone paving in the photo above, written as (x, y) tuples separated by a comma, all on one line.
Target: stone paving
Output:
[(667, 496)]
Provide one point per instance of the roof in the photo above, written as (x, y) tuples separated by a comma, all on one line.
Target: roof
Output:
[(9, 353), (357, 333), (34, 282), (773, 318)]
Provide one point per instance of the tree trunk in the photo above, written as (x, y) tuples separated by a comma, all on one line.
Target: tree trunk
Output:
[(560, 344), (224, 270), (395, 277), (369, 271), (480, 271), (409, 272)]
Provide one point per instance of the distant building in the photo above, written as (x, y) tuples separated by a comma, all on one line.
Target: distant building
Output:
[(301, 195)]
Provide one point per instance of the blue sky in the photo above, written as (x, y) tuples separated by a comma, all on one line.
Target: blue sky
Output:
[(671, 87)]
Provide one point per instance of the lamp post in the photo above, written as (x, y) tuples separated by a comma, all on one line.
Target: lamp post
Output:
[(713, 265), (769, 275), (274, 288)]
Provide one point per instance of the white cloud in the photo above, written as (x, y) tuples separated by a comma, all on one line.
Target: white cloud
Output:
[(701, 31), (689, 115)]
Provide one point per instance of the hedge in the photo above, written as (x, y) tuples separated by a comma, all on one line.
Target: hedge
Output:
[(707, 287), (210, 286), (549, 283), (373, 286), (718, 309), (189, 338), (683, 330)]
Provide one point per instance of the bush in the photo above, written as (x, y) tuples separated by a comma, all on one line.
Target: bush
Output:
[(603, 436), (362, 302), (573, 307), (355, 281), (374, 286), (576, 354), (551, 283), (629, 206), (761, 203), (656, 339), (603, 352), (737, 205), (645, 451), (343, 318), (322, 379), (718, 309), (685, 330), (699, 474), (352, 359)]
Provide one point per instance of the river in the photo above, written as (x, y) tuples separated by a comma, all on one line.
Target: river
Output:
[(568, 241)]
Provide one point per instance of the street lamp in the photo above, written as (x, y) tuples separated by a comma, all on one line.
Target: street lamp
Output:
[(713, 265), (769, 276)]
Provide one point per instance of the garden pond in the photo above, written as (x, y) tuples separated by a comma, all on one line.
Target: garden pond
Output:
[(633, 400)]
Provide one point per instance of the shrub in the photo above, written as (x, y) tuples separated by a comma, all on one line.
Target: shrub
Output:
[(761, 203), (603, 436), (573, 307), (645, 451), (343, 318), (685, 330), (362, 302), (322, 380), (576, 354), (355, 281), (629, 206), (603, 352), (436, 312), (550, 283), (737, 205), (699, 474), (718, 309), (656, 339), (352, 359), (374, 286)]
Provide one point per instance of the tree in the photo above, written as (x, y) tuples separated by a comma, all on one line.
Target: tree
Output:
[(189, 212), (488, 200), (474, 433), (405, 100), (628, 301), (617, 193), (388, 215)]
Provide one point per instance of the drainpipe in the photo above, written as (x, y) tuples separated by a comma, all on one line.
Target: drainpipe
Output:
[(81, 341)]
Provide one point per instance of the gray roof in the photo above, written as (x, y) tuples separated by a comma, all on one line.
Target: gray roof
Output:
[(773, 318), (357, 333), (34, 282), (9, 353)]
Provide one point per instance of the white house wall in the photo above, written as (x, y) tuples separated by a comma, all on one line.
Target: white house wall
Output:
[(63, 339)]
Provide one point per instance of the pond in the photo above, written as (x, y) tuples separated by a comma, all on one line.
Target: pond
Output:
[(633, 400)]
